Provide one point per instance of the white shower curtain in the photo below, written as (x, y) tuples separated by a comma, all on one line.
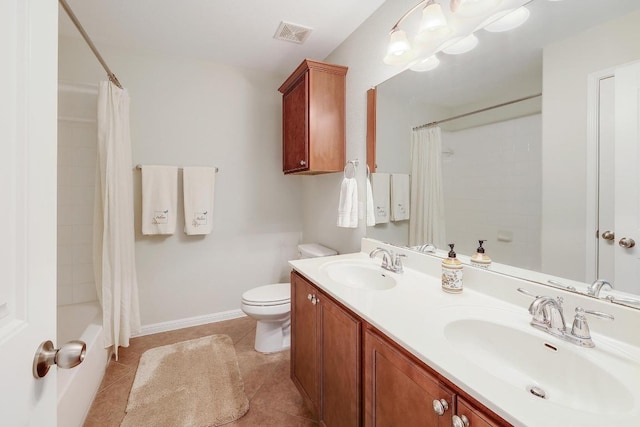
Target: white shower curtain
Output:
[(113, 232), (427, 224)]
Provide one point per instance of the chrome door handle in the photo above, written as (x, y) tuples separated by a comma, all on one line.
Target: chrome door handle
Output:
[(608, 235), (627, 242), (68, 356)]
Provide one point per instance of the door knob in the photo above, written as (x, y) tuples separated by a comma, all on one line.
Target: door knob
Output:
[(627, 242), (440, 406), (68, 356), (302, 163), (608, 235)]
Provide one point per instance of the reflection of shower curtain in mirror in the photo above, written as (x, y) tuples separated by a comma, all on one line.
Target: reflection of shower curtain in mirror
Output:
[(113, 233), (427, 199)]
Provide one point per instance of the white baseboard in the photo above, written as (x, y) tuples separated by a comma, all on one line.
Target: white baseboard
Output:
[(188, 322)]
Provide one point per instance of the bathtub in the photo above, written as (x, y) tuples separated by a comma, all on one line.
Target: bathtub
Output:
[(78, 386)]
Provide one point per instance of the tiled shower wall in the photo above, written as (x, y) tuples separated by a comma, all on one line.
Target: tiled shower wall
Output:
[(77, 145), (493, 191)]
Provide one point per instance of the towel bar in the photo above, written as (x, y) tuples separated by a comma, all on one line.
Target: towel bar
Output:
[(139, 166)]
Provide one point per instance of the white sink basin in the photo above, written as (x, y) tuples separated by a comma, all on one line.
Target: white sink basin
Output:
[(360, 275), (505, 346)]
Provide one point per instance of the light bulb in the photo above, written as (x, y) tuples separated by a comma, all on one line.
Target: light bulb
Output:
[(399, 51), (432, 18)]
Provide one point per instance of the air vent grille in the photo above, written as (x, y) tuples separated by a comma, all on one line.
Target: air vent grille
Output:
[(292, 32)]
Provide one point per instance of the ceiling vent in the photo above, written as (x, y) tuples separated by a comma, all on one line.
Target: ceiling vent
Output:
[(292, 33)]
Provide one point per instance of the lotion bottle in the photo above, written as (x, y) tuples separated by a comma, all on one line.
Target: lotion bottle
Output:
[(480, 258), (452, 273)]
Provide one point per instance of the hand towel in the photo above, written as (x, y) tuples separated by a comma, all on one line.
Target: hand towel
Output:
[(371, 211), (159, 199), (380, 184), (198, 185), (399, 197), (348, 205)]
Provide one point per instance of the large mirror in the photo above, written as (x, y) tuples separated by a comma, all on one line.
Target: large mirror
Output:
[(531, 166)]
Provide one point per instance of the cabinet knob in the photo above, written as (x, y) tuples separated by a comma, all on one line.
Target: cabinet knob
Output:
[(302, 163), (460, 421), (309, 297), (440, 406)]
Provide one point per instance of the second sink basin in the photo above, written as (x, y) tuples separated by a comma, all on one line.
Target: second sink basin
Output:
[(359, 275), (505, 346)]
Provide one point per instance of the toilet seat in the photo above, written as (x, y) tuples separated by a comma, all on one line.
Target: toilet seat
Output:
[(268, 295)]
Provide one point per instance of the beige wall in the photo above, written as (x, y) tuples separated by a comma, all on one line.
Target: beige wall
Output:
[(566, 66), (189, 112)]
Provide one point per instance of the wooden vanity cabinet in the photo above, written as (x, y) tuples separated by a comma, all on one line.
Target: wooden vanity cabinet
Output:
[(325, 355), (475, 417), (399, 392), (313, 119)]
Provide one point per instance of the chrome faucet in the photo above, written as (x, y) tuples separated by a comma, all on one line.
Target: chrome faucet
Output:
[(548, 317), (427, 247), (390, 261), (595, 288)]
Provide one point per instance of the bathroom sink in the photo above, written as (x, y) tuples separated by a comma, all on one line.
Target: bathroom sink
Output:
[(506, 347), (359, 275)]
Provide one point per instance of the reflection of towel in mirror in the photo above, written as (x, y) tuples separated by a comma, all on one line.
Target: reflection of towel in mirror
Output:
[(399, 197), (380, 184), (371, 211), (348, 205), (198, 184), (159, 199)]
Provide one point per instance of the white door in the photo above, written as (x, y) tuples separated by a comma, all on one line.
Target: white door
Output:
[(627, 178), (28, 74)]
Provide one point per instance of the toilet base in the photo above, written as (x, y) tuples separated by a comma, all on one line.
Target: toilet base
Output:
[(272, 337)]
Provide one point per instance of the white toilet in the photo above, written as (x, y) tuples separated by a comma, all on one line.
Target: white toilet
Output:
[(270, 305)]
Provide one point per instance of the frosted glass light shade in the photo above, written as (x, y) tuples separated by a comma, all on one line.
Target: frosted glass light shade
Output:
[(460, 45), (507, 20), (426, 64), (399, 51), (432, 18)]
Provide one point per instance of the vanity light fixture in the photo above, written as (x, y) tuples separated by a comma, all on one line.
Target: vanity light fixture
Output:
[(506, 20), (441, 28)]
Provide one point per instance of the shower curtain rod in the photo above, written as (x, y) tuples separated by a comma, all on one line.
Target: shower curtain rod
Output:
[(437, 122), (112, 77)]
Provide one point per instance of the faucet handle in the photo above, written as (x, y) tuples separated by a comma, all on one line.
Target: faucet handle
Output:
[(580, 328), (397, 262)]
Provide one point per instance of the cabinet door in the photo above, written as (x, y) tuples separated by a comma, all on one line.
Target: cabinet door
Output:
[(304, 343), (295, 126), (340, 366), (399, 392), (476, 417)]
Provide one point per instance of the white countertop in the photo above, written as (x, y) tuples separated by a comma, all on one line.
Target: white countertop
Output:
[(413, 312)]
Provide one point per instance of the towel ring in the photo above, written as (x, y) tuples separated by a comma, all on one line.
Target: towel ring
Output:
[(354, 164)]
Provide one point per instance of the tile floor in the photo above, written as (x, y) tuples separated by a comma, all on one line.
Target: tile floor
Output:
[(273, 399)]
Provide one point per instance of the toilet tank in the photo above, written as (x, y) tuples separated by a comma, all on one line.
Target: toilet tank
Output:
[(314, 250)]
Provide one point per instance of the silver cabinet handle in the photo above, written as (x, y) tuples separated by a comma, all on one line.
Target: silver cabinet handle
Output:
[(460, 421), (627, 242), (68, 356), (440, 406), (608, 235), (302, 163)]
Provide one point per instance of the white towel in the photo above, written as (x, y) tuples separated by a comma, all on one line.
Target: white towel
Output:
[(380, 184), (371, 211), (159, 199), (198, 184), (399, 197), (348, 205)]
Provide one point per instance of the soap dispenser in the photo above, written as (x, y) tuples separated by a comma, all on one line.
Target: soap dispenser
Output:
[(480, 258), (452, 273)]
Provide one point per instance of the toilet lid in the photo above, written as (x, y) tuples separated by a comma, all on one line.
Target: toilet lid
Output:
[(268, 295)]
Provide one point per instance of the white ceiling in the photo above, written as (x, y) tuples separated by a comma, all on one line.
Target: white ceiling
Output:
[(232, 32)]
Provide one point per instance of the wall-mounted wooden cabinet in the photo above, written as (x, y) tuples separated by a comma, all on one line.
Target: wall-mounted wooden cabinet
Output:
[(313, 119), (352, 374)]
